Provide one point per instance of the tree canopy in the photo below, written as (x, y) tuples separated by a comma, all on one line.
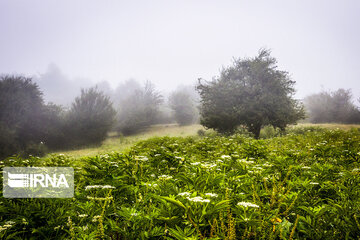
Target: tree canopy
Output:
[(251, 92)]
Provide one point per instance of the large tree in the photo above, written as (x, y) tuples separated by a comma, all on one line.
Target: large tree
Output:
[(21, 114), (251, 92)]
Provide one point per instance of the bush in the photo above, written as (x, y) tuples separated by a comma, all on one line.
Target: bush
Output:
[(90, 118)]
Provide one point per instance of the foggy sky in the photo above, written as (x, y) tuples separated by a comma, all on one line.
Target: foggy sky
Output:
[(176, 42)]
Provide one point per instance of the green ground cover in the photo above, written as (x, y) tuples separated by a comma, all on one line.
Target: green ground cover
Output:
[(304, 185)]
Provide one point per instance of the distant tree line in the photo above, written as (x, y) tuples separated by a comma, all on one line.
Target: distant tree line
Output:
[(332, 107), (251, 93), (28, 125)]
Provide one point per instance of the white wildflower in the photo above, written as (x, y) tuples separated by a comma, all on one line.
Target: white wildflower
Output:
[(98, 186), (195, 163), (247, 204), (314, 183), (198, 199), (211, 194), (187, 194), (165, 177), (208, 165)]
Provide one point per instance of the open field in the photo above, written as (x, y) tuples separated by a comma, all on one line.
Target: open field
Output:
[(298, 186), (117, 144)]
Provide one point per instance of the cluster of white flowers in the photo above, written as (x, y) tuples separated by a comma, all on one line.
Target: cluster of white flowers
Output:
[(87, 188), (245, 161), (165, 177), (187, 194), (198, 199), (211, 194), (225, 156), (247, 204), (157, 155), (208, 165), (151, 184), (134, 214), (141, 158), (306, 167), (314, 183), (83, 215), (195, 163)]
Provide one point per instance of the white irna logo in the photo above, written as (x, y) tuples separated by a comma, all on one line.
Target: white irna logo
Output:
[(21, 180)]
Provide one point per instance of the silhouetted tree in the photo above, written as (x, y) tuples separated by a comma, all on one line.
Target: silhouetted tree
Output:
[(21, 115), (90, 118), (139, 109), (183, 106), (251, 92)]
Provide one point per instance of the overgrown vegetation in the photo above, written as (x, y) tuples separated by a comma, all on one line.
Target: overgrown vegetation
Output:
[(304, 185)]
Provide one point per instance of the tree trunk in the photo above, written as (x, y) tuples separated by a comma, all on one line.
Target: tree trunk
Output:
[(255, 129)]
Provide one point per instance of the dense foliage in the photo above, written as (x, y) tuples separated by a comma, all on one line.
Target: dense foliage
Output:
[(305, 185), (29, 126), (252, 92), (327, 107), (22, 115), (90, 118)]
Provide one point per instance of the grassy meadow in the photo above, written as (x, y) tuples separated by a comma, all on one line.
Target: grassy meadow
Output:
[(170, 183), (123, 143)]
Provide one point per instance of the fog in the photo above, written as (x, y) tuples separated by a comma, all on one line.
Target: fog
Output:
[(68, 45)]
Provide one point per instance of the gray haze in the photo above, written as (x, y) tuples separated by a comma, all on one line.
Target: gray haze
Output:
[(71, 44)]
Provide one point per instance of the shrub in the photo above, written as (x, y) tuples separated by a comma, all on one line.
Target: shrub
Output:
[(90, 118)]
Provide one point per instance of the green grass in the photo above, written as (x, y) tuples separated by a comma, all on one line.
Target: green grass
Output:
[(115, 143), (304, 185), (118, 144)]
